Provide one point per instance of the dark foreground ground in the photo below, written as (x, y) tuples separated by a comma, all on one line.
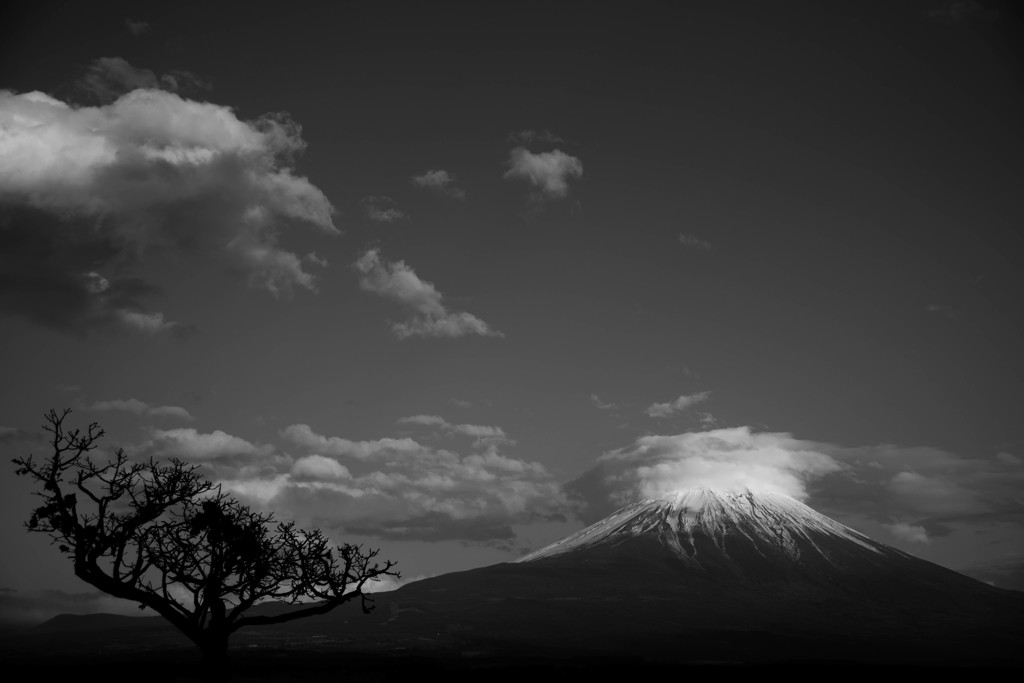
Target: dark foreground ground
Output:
[(155, 653)]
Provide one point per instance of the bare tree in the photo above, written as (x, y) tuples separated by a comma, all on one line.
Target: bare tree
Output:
[(161, 535)]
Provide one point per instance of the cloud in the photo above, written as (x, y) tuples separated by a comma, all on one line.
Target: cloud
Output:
[(136, 28), (303, 435), (108, 78), (909, 532), (694, 242), (941, 309), (548, 172), (133, 405), (16, 435), (526, 137), (88, 193), (677, 406), (483, 435), (441, 182), (381, 209), (601, 405), (317, 467), (397, 281), (959, 11), (188, 444), (400, 488), (727, 459)]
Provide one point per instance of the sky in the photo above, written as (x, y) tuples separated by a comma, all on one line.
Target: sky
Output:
[(453, 280)]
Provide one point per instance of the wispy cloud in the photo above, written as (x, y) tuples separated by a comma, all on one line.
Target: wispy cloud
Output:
[(525, 137), (136, 28), (395, 280), (303, 435), (961, 10), (679, 405), (137, 407), (381, 209), (166, 174), (941, 309), (910, 533), (694, 242), (108, 78), (602, 405), (441, 182), (547, 172)]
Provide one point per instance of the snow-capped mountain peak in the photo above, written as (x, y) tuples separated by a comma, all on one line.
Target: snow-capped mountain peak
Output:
[(695, 524)]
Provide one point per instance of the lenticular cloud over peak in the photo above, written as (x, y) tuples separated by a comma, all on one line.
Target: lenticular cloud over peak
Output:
[(734, 459)]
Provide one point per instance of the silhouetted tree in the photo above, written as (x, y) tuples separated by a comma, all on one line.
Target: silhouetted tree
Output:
[(161, 535)]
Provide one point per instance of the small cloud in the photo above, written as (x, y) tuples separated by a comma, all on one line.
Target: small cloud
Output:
[(694, 242), (16, 435), (941, 309), (136, 28), (317, 467), (303, 435), (677, 406), (548, 172), (441, 182), (149, 323), (908, 532), (483, 435), (188, 444), (601, 405), (137, 407), (526, 137), (961, 10), (381, 209), (108, 78), (397, 281), (1009, 459), (311, 257), (460, 403)]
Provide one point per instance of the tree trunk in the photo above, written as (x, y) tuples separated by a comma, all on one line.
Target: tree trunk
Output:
[(214, 647)]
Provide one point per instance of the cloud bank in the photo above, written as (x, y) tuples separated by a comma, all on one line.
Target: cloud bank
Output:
[(137, 407), (402, 489), (86, 193), (395, 280)]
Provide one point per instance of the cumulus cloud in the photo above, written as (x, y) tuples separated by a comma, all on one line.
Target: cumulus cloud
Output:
[(317, 467), (395, 280), (483, 435), (188, 444), (303, 435), (547, 172), (381, 209), (440, 182), (134, 405), (87, 193), (400, 488), (596, 401), (726, 459), (677, 406), (694, 242)]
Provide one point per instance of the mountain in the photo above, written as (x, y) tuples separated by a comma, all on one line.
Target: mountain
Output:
[(697, 576), (704, 574)]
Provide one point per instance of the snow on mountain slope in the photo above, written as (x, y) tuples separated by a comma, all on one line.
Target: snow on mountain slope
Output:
[(768, 521)]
